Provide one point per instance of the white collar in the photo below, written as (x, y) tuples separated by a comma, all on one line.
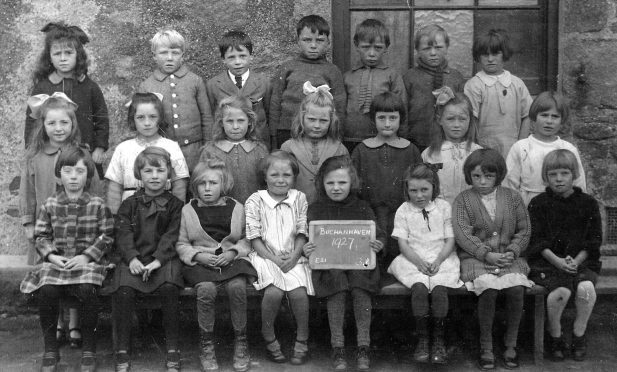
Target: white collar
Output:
[(270, 202), (227, 146), (429, 207), (244, 76), (504, 79), (375, 142)]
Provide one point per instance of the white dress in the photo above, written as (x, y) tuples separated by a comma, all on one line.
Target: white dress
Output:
[(451, 157), (278, 224), (120, 168), (524, 163), (409, 223)]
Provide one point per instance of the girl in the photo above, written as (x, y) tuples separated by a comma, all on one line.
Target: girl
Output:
[(56, 129), (145, 117), (73, 233), (499, 99), (428, 263), (381, 161), (492, 230), (213, 248), (315, 136), (147, 230), (453, 139), (564, 252), (235, 141), (276, 227), (63, 67), (548, 112), (337, 183)]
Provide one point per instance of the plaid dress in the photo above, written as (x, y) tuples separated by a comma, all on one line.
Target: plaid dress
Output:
[(70, 228)]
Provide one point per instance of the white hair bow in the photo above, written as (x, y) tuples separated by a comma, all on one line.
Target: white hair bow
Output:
[(308, 88), (35, 102), (158, 95)]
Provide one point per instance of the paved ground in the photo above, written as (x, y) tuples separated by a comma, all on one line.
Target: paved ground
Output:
[(21, 346)]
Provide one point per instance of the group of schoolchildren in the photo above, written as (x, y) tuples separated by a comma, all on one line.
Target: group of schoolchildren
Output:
[(443, 218)]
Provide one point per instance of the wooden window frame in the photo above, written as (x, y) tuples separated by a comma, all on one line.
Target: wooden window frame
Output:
[(549, 12)]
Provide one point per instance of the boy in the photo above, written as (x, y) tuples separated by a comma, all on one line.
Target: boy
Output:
[(368, 78), (431, 43), (185, 101), (310, 65), (236, 50)]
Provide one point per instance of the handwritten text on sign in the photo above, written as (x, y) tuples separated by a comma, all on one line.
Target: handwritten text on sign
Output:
[(342, 244)]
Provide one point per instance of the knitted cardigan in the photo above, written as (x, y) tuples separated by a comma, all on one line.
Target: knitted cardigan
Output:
[(477, 234)]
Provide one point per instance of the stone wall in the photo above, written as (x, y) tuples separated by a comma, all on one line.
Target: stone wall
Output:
[(120, 58)]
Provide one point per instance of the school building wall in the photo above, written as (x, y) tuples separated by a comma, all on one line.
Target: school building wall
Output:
[(120, 58)]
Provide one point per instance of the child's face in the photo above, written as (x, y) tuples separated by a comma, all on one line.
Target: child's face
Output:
[(58, 126), (387, 123), (455, 122), (63, 58), (168, 59), (312, 45), (560, 181), (237, 61), (279, 178), (482, 182), (337, 184), (547, 125), (74, 177), (316, 121), (147, 121), (235, 124), (492, 64), (420, 192), (154, 178), (371, 54), (209, 190), (432, 53)]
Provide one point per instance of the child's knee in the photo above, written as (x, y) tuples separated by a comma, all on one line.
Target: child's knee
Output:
[(206, 291), (585, 291), (560, 294), (271, 292)]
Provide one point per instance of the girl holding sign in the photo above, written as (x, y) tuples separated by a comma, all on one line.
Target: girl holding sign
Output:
[(337, 184)]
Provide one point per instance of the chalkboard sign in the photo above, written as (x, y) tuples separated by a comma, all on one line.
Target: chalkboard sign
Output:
[(342, 245)]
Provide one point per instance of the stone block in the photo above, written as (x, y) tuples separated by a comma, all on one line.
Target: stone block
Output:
[(586, 16)]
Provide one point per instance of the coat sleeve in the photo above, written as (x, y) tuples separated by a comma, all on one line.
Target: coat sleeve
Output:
[(43, 232), (205, 110), (238, 224), (184, 246), (540, 232), (593, 239), (166, 248), (102, 244), (463, 231), (337, 85), (279, 84), (520, 238), (473, 91), (125, 231), (100, 118), (27, 194), (397, 86)]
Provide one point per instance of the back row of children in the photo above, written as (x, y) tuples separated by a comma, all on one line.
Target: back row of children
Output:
[(380, 160)]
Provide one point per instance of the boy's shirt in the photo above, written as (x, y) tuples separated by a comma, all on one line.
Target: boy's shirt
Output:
[(421, 106), (362, 84), (287, 89), (185, 102), (256, 87)]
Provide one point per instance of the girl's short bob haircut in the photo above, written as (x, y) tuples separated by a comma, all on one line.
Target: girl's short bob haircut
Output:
[(238, 102), (144, 98), (388, 102), (425, 172), (430, 31), (438, 136), (168, 38), (274, 156), (154, 156), (332, 164), (548, 100), (489, 160), (560, 159), (72, 155), (319, 99), (493, 42), (210, 162)]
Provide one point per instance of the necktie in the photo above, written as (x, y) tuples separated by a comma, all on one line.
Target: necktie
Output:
[(239, 82)]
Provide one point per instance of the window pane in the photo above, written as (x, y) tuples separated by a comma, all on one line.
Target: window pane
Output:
[(459, 26), (437, 3), (506, 3), (398, 25), (524, 28)]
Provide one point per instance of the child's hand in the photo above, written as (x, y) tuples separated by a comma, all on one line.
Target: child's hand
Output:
[(493, 259), (434, 267), (136, 267), (29, 231), (149, 268), (288, 262), (98, 155), (224, 258), (424, 267), (308, 248), (567, 265), (376, 245), (79, 260), (205, 258), (57, 260)]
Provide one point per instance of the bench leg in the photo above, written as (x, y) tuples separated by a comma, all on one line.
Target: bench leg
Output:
[(538, 330)]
